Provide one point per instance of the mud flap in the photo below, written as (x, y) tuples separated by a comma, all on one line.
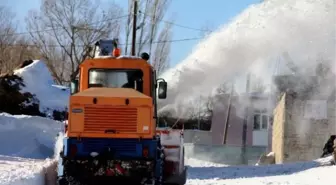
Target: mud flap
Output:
[(334, 152), (178, 179)]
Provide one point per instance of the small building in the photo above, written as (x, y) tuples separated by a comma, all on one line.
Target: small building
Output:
[(258, 121), (304, 118)]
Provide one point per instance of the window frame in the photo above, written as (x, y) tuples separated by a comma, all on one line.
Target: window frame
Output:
[(114, 69), (261, 113)]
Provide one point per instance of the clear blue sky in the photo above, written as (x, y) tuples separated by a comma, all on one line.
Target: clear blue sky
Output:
[(190, 13)]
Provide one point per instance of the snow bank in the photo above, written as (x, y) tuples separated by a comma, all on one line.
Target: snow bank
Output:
[(19, 171), (266, 159), (27, 150), (39, 81), (28, 136)]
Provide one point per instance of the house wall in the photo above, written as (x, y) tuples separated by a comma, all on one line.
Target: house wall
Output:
[(235, 128), (278, 130), (297, 137), (261, 137)]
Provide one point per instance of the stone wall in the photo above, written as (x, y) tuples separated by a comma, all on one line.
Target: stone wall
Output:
[(297, 137), (278, 130)]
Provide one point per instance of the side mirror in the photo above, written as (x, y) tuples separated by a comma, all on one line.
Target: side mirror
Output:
[(74, 86), (162, 91)]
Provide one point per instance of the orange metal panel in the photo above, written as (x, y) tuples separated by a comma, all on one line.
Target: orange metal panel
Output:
[(115, 63), (110, 110)]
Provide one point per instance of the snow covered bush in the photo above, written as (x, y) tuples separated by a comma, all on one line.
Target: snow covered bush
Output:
[(29, 90), (12, 100)]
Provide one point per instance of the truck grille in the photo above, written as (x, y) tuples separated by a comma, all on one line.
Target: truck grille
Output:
[(112, 119)]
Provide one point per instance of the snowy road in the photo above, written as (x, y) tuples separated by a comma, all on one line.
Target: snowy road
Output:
[(315, 176), (305, 173), (18, 171)]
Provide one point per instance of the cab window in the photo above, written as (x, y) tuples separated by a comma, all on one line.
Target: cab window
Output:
[(115, 78)]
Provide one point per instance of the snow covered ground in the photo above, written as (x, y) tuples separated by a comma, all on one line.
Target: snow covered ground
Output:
[(24, 171), (27, 158), (27, 148), (303, 173)]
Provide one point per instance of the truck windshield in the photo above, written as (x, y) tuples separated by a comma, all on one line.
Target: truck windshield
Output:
[(113, 78)]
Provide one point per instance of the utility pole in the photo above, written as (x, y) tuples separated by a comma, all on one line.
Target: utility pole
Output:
[(228, 115), (135, 10), (243, 153), (199, 113)]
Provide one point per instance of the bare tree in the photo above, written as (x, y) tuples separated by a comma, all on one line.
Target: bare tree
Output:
[(323, 68), (222, 88), (70, 29), (161, 53), (149, 17), (7, 29), (128, 25), (14, 48), (16, 53)]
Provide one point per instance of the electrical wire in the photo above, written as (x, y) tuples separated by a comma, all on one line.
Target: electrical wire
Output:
[(155, 42), (61, 27), (106, 20)]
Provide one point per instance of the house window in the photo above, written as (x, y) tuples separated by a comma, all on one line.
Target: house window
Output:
[(260, 120)]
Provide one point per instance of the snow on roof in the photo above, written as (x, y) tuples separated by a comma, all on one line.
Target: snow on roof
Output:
[(120, 57), (128, 56), (39, 81)]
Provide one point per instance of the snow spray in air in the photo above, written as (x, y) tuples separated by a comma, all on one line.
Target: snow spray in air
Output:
[(58, 145), (252, 42)]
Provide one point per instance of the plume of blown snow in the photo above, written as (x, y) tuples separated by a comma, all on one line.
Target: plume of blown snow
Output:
[(252, 42)]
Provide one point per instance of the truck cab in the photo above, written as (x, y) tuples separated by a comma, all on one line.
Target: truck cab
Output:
[(115, 97)]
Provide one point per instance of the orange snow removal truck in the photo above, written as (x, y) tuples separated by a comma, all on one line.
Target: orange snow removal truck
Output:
[(111, 134)]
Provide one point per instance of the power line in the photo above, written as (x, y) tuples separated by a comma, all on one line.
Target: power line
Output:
[(155, 42), (175, 24), (106, 20), (60, 27)]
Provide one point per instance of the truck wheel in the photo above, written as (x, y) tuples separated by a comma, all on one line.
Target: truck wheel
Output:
[(62, 181)]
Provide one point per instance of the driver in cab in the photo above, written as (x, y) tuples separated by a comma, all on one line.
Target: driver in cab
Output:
[(134, 81)]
